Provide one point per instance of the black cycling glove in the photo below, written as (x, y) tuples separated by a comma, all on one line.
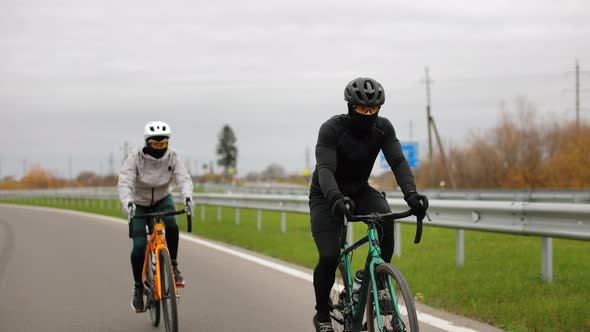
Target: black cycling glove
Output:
[(339, 209), (418, 203)]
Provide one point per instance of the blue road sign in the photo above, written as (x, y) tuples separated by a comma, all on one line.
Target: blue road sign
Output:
[(410, 150)]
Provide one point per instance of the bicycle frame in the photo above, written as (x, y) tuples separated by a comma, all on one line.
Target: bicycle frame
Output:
[(156, 244), (372, 261)]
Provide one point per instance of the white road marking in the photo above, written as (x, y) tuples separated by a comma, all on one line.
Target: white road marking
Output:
[(423, 317)]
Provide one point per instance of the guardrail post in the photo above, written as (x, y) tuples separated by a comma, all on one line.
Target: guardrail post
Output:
[(284, 222), (219, 213), (202, 212), (460, 247), (259, 220), (101, 204), (547, 259), (237, 216), (110, 204), (397, 239)]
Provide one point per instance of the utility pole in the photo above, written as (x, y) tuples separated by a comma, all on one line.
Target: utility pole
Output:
[(577, 95), (111, 164), (577, 91), (427, 81), (431, 127)]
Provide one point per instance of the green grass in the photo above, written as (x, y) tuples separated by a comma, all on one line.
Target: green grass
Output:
[(500, 283)]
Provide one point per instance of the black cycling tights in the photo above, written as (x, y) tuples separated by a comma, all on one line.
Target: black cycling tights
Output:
[(139, 246), (325, 229)]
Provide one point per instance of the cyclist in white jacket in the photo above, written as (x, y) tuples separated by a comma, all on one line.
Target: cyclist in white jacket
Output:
[(144, 186)]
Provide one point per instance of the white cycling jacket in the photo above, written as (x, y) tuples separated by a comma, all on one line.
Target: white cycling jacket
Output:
[(144, 180)]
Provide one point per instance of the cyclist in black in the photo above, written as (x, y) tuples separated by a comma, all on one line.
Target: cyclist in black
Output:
[(347, 147)]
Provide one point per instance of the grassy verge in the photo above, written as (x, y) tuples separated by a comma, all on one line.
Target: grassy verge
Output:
[(500, 283)]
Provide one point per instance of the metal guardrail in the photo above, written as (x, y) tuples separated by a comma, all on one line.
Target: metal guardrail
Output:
[(546, 220), (561, 196), (549, 196)]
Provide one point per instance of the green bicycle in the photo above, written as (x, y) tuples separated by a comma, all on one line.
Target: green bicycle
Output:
[(384, 302)]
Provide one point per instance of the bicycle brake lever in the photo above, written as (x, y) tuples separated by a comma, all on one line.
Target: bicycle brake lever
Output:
[(428, 217)]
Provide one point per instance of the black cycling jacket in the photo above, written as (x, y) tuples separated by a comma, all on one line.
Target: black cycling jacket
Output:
[(344, 159)]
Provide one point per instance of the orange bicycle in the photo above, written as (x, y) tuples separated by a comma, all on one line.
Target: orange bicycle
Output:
[(158, 278)]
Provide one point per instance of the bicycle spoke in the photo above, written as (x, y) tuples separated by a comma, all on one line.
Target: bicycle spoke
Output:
[(396, 305)]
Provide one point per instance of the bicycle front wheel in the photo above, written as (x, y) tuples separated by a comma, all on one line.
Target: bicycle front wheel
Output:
[(394, 300), (168, 291)]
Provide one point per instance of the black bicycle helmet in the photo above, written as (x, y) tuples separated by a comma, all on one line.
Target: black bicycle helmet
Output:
[(364, 91)]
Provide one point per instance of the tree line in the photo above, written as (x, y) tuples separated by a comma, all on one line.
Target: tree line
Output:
[(523, 151)]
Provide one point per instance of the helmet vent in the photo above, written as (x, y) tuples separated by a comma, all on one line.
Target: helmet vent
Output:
[(152, 128), (164, 128)]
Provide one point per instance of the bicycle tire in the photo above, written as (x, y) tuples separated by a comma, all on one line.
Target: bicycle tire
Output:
[(408, 322), (341, 321), (167, 286), (153, 305)]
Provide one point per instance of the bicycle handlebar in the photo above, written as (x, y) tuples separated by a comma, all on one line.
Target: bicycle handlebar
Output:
[(392, 216), (189, 227)]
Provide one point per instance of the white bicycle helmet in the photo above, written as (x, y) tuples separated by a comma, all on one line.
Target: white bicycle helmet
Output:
[(156, 128)]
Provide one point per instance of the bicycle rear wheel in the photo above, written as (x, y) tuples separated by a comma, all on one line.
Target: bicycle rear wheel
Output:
[(168, 291), (152, 305), (338, 310), (393, 289)]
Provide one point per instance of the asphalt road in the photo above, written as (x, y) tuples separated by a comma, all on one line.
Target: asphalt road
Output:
[(71, 272)]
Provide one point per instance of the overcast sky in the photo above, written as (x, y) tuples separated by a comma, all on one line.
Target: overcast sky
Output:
[(78, 78)]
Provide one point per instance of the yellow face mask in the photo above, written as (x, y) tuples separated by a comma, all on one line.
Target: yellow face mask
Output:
[(366, 110)]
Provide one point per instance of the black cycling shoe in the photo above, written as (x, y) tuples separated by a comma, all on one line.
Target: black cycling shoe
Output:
[(177, 276), (322, 325), (137, 303)]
